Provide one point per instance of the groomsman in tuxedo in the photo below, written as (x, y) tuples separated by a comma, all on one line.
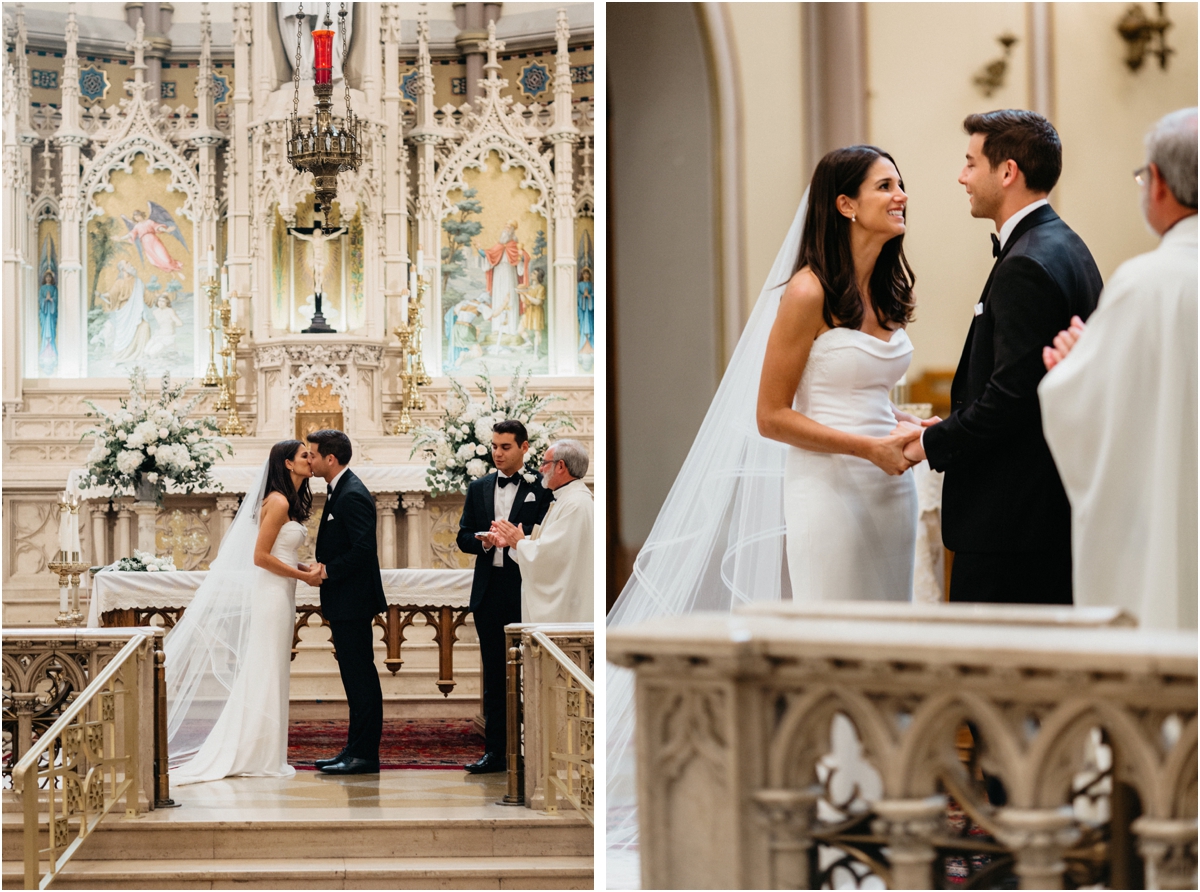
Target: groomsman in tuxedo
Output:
[(351, 596), (1004, 512), (505, 494)]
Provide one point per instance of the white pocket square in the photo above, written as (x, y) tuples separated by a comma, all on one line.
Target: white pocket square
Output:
[(330, 517), (531, 498), (979, 308)]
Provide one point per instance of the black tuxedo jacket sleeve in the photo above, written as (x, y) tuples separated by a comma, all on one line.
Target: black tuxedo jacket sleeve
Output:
[(346, 546), (479, 511), (1001, 490)]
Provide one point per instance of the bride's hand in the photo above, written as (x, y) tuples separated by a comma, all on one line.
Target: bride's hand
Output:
[(888, 452)]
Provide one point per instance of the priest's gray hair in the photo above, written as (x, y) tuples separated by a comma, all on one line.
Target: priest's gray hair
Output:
[(1171, 145), (573, 454)]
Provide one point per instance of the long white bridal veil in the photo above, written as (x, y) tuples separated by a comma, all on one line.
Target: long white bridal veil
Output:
[(718, 540), (212, 637)]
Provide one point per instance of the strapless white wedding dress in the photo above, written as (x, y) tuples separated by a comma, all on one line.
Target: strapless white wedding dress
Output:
[(250, 736), (851, 528)]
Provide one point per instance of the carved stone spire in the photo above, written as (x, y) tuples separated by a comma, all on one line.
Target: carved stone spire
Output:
[(492, 46), (563, 125), (424, 85), (69, 131), (205, 133), (25, 128)]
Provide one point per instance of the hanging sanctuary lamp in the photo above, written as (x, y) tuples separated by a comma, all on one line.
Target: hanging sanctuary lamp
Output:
[(317, 145)]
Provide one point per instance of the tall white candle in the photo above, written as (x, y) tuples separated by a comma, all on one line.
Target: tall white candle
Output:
[(64, 529), (212, 262), (224, 284), (76, 545)]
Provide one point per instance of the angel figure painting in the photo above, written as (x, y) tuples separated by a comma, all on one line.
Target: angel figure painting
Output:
[(140, 267)]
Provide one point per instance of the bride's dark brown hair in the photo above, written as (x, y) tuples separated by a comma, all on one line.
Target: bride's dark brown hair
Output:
[(825, 246), (279, 479)]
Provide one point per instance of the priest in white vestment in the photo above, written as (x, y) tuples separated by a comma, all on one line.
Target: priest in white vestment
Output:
[(558, 557), (1119, 408)]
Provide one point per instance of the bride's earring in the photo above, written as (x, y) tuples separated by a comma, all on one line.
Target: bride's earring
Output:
[(853, 217)]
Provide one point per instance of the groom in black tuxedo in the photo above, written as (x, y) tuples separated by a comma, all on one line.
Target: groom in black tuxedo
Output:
[(351, 596), (496, 589), (1005, 514)]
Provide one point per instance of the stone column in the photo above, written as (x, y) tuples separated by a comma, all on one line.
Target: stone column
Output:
[(72, 310), (1038, 838), (561, 292), (226, 507), (1169, 847), (147, 522), (789, 816), (99, 512), (472, 31), (414, 519), (395, 176), (124, 544), (910, 825), (387, 505)]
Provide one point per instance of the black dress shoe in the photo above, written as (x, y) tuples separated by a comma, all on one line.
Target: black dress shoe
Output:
[(351, 765), (322, 763), (491, 762)]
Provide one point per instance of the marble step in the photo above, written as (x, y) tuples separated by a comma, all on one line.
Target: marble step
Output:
[(441, 872), (522, 833)]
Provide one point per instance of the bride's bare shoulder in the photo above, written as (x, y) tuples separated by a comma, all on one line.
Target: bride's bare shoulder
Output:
[(804, 298), (275, 501)]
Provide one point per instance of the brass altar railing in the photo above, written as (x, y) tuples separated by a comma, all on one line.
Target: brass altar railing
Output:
[(568, 698), (89, 760)]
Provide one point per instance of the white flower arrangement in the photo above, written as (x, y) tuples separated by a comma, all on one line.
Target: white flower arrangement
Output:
[(154, 441), (460, 450), (143, 561)]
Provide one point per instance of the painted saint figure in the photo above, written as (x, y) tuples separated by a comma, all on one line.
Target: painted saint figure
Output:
[(586, 308), (317, 240), (505, 273), (144, 232), (533, 303), (48, 324), (166, 321), (126, 331)]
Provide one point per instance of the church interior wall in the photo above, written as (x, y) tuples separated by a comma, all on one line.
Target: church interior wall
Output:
[(661, 144), (43, 424)]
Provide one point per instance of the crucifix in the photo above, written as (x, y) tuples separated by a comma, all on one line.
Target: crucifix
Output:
[(316, 237)]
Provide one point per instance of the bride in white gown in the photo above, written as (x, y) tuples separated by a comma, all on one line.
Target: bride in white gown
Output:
[(794, 487), (228, 660)]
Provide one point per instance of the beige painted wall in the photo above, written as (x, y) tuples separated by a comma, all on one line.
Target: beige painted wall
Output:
[(916, 105), (768, 45), (918, 100), (1103, 112)]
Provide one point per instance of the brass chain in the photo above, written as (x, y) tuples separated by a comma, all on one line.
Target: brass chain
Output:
[(345, 80), (296, 70)]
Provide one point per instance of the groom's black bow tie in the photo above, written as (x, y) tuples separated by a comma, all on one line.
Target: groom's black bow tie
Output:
[(995, 245), (504, 481)]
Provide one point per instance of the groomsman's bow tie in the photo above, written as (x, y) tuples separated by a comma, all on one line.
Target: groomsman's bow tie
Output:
[(504, 481), (995, 245)]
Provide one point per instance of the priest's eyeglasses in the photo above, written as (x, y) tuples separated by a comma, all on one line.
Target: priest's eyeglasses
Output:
[(1141, 176), (551, 462)]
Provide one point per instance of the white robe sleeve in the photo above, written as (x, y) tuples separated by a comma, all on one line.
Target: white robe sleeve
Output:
[(556, 568)]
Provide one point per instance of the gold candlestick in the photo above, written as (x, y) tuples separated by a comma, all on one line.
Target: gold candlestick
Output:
[(233, 426), (412, 372), (212, 290)]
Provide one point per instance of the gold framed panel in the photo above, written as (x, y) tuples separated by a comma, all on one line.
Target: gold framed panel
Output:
[(307, 422)]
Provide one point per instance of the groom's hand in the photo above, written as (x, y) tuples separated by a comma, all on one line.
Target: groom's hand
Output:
[(913, 453), (312, 574), (1064, 342)]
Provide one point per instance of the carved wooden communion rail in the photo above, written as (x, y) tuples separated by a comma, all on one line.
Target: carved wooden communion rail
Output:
[(1084, 766), (441, 597)]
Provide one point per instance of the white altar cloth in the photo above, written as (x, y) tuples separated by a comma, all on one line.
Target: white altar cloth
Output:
[(376, 478), (117, 589)]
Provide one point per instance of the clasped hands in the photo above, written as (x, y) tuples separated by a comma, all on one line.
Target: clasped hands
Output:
[(902, 449), (314, 573), (503, 534)]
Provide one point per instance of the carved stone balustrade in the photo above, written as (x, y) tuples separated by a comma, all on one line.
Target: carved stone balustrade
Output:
[(801, 747)]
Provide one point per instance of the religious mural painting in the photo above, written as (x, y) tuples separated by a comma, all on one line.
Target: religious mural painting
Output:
[(495, 275), (47, 297), (140, 288), (585, 292)]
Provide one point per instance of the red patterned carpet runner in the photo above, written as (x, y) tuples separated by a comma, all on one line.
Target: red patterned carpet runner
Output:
[(407, 743)]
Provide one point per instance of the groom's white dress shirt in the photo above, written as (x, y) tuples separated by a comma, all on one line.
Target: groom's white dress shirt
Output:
[(1011, 223), (505, 496), (332, 483)]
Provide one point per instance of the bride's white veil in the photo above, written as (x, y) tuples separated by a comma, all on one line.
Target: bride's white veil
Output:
[(210, 641), (718, 540)]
